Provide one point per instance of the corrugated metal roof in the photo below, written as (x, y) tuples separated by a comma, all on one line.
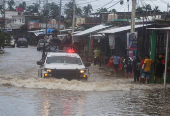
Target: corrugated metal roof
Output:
[(163, 28), (119, 29), (93, 29)]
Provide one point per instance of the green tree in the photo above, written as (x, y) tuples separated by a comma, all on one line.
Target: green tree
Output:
[(23, 5), (69, 13), (69, 10), (139, 8), (7, 37), (103, 10), (113, 10), (52, 10), (33, 8), (147, 7), (11, 4), (4, 37), (156, 9), (87, 9)]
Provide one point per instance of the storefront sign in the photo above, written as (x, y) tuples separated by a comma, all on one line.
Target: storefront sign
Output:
[(132, 40), (9, 29), (112, 41)]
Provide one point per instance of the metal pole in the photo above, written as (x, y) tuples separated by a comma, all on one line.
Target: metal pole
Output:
[(167, 42), (168, 8), (132, 23), (4, 13), (133, 16), (73, 23), (46, 17), (59, 17)]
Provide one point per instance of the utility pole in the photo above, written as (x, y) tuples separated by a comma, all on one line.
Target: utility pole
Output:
[(132, 24), (4, 13), (46, 16), (73, 22), (59, 16), (133, 16), (167, 7)]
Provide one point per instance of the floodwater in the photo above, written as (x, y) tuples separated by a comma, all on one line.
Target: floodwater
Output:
[(22, 92)]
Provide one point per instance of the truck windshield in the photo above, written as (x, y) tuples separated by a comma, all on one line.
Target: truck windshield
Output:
[(63, 59)]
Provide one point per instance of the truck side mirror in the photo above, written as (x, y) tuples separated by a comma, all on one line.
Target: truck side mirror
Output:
[(39, 63)]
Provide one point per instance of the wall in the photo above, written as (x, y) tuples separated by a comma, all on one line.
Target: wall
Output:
[(18, 19), (9, 14)]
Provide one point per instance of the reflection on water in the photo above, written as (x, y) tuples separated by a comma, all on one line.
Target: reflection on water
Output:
[(157, 102), (67, 106), (81, 103), (42, 102), (45, 104)]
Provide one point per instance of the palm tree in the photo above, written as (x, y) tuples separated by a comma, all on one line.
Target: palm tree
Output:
[(11, 4), (87, 9), (156, 9), (23, 5), (69, 13), (103, 10), (33, 8), (139, 8), (113, 10), (147, 7)]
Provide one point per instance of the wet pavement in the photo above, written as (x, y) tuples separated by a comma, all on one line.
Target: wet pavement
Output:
[(22, 92)]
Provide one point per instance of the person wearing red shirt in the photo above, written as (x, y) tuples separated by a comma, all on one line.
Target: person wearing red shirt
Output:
[(141, 70)]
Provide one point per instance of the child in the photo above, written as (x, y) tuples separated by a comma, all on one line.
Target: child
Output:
[(159, 71)]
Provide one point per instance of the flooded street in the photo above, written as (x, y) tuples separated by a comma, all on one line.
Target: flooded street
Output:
[(22, 92)]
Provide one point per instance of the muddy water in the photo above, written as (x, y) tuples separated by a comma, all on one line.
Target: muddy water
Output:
[(22, 92)]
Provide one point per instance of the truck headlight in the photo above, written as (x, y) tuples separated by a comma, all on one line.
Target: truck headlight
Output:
[(48, 70), (82, 71)]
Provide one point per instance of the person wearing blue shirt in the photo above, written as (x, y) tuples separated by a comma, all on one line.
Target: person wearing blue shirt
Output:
[(116, 63)]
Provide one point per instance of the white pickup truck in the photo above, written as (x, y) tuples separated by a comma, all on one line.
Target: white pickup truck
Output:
[(63, 65)]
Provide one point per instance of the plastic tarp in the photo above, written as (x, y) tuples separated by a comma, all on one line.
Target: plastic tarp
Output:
[(91, 30), (48, 31), (37, 32), (119, 29)]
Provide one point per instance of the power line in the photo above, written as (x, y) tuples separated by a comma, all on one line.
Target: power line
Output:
[(88, 2), (114, 4), (152, 2), (100, 7), (107, 3), (164, 2)]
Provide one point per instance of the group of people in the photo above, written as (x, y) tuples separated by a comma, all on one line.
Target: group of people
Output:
[(140, 67)]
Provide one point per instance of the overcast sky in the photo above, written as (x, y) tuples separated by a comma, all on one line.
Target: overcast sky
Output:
[(120, 8), (97, 4)]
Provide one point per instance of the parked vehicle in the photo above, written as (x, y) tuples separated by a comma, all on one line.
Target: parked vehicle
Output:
[(10, 43), (22, 42)]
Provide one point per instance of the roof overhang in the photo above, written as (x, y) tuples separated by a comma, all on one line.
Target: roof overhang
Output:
[(163, 28), (92, 30), (120, 29)]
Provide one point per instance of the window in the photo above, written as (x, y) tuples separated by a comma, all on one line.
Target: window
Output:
[(63, 59)]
